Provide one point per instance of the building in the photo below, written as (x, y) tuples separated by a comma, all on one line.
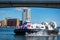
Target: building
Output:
[(2, 23), (12, 22), (26, 15)]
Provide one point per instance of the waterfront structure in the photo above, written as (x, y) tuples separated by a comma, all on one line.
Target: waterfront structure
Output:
[(26, 15), (2, 23), (12, 22)]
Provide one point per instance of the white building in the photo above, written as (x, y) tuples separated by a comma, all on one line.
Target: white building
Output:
[(26, 15)]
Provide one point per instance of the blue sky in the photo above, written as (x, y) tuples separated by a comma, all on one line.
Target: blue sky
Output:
[(38, 15)]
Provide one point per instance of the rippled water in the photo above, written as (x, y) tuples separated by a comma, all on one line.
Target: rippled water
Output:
[(19, 37), (9, 35)]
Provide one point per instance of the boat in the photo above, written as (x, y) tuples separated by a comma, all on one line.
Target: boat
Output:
[(51, 28), (26, 26)]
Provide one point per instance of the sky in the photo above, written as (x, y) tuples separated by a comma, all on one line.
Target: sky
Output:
[(38, 15)]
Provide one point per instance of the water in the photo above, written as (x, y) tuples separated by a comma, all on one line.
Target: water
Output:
[(40, 33), (8, 34)]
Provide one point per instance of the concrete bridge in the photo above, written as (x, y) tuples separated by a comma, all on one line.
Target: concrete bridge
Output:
[(30, 3)]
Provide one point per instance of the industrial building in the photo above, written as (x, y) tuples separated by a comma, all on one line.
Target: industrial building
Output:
[(2, 23), (12, 22), (26, 15)]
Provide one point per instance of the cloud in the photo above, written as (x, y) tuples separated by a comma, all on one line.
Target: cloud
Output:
[(19, 8)]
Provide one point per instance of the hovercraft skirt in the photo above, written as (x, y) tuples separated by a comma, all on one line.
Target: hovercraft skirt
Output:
[(23, 31)]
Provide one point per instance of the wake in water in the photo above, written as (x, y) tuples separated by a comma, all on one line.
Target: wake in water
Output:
[(40, 33)]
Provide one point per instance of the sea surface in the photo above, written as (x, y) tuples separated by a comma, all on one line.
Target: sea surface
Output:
[(8, 34)]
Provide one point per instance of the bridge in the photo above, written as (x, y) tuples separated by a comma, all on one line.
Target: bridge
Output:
[(30, 3)]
